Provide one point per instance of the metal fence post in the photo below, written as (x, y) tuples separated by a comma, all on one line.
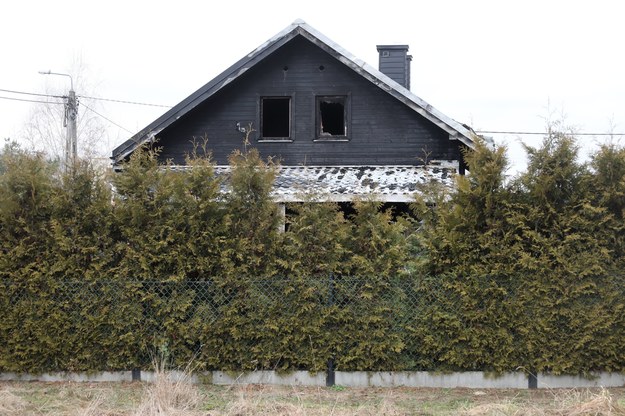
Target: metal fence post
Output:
[(532, 380), (330, 377)]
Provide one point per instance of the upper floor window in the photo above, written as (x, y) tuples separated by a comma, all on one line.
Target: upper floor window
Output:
[(332, 117), (275, 118)]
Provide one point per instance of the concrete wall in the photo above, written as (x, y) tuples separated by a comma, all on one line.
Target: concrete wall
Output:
[(296, 378), (599, 380), (471, 379), (108, 376)]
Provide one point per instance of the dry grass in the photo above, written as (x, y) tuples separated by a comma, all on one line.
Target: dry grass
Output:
[(565, 402), (171, 394), (493, 409), (10, 403), (267, 400), (95, 407), (585, 402)]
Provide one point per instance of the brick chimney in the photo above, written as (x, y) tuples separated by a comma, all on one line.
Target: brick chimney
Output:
[(395, 63)]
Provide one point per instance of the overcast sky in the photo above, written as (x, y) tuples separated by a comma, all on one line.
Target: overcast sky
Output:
[(495, 65)]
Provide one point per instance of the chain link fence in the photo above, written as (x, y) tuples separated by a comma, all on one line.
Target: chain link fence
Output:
[(290, 323), (295, 323)]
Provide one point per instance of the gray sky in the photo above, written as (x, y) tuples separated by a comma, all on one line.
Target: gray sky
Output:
[(495, 65)]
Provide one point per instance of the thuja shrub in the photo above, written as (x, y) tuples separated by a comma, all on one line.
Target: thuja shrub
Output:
[(497, 274), (172, 228), (521, 272), (465, 318), (26, 328), (313, 250), (369, 300), (237, 336), (570, 294), (56, 228)]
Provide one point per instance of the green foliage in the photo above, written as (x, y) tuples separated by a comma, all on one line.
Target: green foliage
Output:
[(317, 241), (377, 241), (323, 251), (521, 273), (54, 228), (370, 336), (568, 279), (25, 188), (468, 317), (496, 274), (252, 216), (608, 191)]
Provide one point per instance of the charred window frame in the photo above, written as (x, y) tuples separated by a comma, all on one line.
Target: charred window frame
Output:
[(332, 116), (275, 118)]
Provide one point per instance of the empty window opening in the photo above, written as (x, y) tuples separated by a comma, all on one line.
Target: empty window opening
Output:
[(276, 117), (397, 210), (332, 117)]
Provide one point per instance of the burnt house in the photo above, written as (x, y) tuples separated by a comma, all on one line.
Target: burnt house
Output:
[(337, 125)]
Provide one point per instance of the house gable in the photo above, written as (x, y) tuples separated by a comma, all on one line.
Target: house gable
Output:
[(381, 130), (385, 123)]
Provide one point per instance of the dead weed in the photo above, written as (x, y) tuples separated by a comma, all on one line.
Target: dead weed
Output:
[(570, 402), (171, 393), (587, 403), (11, 404)]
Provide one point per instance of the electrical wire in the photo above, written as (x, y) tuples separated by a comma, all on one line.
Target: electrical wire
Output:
[(31, 93), (106, 118), (29, 101), (85, 96), (124, 102), (168, 106), (543, 133)]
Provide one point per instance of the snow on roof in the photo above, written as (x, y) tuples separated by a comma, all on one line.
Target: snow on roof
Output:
[(348, 183)]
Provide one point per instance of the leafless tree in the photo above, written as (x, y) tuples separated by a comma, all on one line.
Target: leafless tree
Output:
[(45, 130)]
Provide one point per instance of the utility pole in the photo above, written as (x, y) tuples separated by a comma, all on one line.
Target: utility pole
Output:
[(71, 114), (69, 121)]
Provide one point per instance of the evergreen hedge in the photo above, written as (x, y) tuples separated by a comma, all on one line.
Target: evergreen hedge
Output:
[(499, 274)]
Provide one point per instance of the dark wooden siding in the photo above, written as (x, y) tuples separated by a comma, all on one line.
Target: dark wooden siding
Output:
[(382, 130)]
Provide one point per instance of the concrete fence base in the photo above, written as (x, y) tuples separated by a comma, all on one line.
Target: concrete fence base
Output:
[(470, 379), (105, 376)]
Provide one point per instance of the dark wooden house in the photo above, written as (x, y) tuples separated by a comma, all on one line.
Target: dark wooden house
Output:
[(337, 125)]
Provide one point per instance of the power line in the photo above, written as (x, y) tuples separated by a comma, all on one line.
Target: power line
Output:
[(168, 106), (84, 96), (543, 133), (32, 93), (30, 101), (106, 118), (124, 101)]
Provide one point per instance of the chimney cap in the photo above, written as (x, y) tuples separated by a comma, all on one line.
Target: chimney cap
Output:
[(396, 47)]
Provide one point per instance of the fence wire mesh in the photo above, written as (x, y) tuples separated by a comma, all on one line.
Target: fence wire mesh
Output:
[(284, 323), (234, 323)]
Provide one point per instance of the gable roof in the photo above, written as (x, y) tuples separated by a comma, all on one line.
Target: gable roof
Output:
[(455, 130)]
